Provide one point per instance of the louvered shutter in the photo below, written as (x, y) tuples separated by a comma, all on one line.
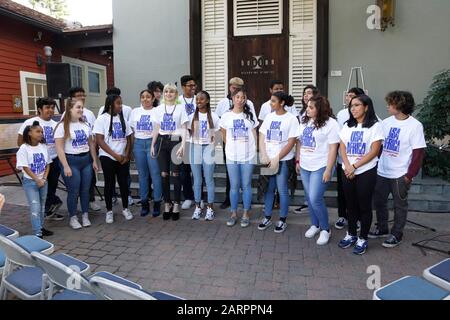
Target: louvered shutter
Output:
[(302, 46), (257, 17), (215, 49)]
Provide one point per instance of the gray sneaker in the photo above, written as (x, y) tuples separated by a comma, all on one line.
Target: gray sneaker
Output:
[(245, 222), (232, 221)]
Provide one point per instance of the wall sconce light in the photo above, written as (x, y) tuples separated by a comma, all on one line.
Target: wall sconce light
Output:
[(39, 60), (48, 53), (387, 13)]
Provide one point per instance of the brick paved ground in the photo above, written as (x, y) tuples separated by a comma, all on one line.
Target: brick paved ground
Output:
[(199, 260)]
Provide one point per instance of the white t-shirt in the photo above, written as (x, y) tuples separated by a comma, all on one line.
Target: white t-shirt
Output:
[(126, 110), (117, 141), (241, 144), (277, 131), (142, 122), (225, 104), (400, 139), (171, 119), (266, 108), (49, 128), (358, 142), (78, 141), (204, 134), (315, 144), (189, 103), (35, 158)]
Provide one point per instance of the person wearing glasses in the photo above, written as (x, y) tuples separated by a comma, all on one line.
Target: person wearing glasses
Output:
[(188, 100)]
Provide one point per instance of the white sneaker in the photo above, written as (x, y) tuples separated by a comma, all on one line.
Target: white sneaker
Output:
[(312, 232), (74, 223), (324, 238), (93, 206), (197, 213), (130, 201), (109, 217), (187, 204), (127, 214), (210, 214), (86, 222)]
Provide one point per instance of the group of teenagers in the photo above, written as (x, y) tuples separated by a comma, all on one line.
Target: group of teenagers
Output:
[(171, 135)]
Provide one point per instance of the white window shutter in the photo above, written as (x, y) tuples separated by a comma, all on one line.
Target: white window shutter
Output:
[(257, 17), (215, 49), (302, 46)]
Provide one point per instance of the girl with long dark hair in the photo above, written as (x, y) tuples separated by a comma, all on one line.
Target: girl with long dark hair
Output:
[(360, 146), (113, 136), (203, 127), (238, 129)]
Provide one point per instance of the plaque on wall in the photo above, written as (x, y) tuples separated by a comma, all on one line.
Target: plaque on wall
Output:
[(17, 104)]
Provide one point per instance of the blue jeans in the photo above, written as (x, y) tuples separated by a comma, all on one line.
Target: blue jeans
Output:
[(79, 183), (240, 177), (280, 182), (36, 200), (147, 166), (203, 156), (314, 192)]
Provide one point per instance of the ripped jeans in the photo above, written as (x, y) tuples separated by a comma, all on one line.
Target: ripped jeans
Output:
[(36, 200)]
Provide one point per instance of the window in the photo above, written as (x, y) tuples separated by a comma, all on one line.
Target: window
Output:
[(94, 81), (76, 73), (258, 17), (32, 86)]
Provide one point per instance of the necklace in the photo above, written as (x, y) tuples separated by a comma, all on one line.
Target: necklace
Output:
[(165, 108)]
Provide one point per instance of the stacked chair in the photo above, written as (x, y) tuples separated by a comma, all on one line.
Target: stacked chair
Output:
[(435, 285)]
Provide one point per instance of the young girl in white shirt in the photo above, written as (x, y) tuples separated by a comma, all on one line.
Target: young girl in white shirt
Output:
[(143, 121), (168, 145), (33, 159), (360, 146), (278, 135), (238, 128), (316, 156), (203, 126), (78, 157), (113, 136)]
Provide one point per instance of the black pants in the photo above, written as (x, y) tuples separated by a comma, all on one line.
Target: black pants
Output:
[(92, 188), (111, 170), (186, 181), (53, 179), (399, 190), (342, 204), (167, 147), (358, 194)]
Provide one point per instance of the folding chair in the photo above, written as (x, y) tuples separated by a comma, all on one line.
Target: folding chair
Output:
[(439, 274), (75, 286), (21, 276), (411, 288), (110, 290), (8, 232)]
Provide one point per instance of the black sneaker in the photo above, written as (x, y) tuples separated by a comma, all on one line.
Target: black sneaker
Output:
[(46, 233), (391, 242), (265, 224), (175, 216), (280, 227), (55, 217), (145, 209), (298, 210), (376, 234), (156, 209)]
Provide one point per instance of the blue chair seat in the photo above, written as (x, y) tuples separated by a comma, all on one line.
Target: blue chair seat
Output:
[(70, 261), (7, 232), (442, 270), (73, 295), (27, 280), (2, 259), (411, 288), (159, 295), (112, 277), (33, 243)]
